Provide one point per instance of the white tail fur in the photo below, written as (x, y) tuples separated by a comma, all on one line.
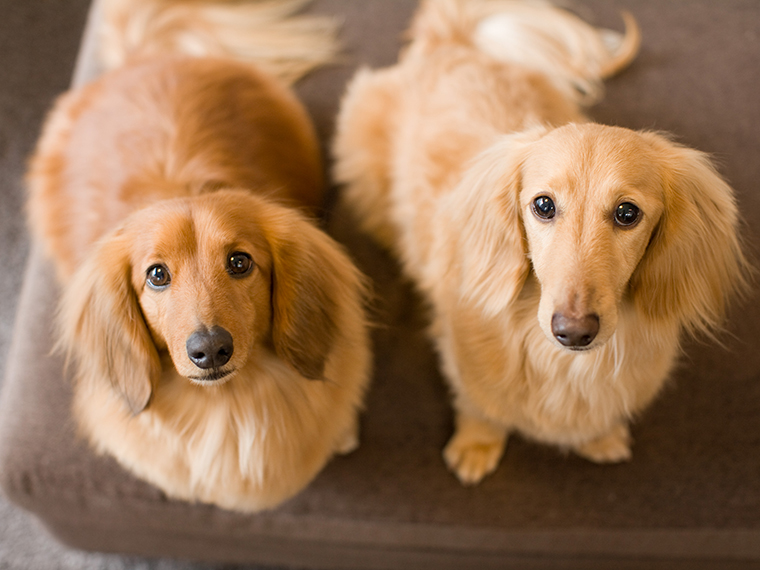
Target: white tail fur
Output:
[(573, 54), (264, 32)]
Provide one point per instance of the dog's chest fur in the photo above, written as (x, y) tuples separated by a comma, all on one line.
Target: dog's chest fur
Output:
[(508, 368), (215, 444)]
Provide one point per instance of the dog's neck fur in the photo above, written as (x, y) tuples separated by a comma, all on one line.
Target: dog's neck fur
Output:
[(219, 439)]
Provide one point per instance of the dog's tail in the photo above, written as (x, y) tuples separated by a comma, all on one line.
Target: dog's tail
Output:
[(265, 32), (575, 55)]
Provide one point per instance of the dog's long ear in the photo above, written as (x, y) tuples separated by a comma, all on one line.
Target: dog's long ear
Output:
[(694, 261), (487, 243), (102, 327), (313, 285)]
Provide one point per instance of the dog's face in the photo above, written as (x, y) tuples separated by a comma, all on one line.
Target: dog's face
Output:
[(590, 200), (603, 214), (202, 275), (206, 279)]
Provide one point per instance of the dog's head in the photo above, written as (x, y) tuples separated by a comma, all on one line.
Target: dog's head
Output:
[(205, 279), (602, 215)]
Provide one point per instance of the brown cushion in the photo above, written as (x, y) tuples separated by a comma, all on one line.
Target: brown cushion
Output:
[(690, 498)]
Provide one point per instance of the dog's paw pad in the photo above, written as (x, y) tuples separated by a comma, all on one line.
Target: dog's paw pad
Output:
[(470, 462), (615, 447)]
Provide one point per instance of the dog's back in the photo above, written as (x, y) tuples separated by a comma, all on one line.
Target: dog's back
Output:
[(165, 123)]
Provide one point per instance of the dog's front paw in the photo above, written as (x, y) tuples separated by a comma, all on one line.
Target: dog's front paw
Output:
[(474, 451), (613, 447)]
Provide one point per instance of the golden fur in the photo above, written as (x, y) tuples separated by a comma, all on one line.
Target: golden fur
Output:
[(268, 32), (194, 165), (442, 157)]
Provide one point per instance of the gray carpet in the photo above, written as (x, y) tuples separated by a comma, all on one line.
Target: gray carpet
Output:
[(39, 40)]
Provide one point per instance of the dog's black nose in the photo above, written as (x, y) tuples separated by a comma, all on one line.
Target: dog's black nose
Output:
[(209, 348), (574, 332)]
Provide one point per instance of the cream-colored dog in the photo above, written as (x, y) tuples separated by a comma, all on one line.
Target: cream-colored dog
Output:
[(562, 259), (218, 339)]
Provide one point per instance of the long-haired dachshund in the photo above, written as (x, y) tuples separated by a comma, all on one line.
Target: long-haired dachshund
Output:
[(217, 336), (562, 259)]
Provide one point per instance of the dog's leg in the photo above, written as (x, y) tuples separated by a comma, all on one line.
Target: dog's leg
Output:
[(475, 449), (612, 447), (349, 440)]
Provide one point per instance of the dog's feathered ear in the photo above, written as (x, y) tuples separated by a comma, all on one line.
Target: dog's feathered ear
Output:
[(102, 327), (486, 242), (313, 282), (694, 261)]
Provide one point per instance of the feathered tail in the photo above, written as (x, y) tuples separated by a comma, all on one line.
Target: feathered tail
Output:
[(264, 32), (575, 55)]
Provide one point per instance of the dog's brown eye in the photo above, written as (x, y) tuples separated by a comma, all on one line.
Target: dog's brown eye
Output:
[(239, 264), (544, 208), (626, 214), (158, 277)]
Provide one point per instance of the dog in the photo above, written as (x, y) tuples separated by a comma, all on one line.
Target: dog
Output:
[(217, 336), (562, 260)]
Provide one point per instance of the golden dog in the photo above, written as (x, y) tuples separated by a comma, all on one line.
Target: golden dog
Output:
[(562, 259), (218, 336)]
